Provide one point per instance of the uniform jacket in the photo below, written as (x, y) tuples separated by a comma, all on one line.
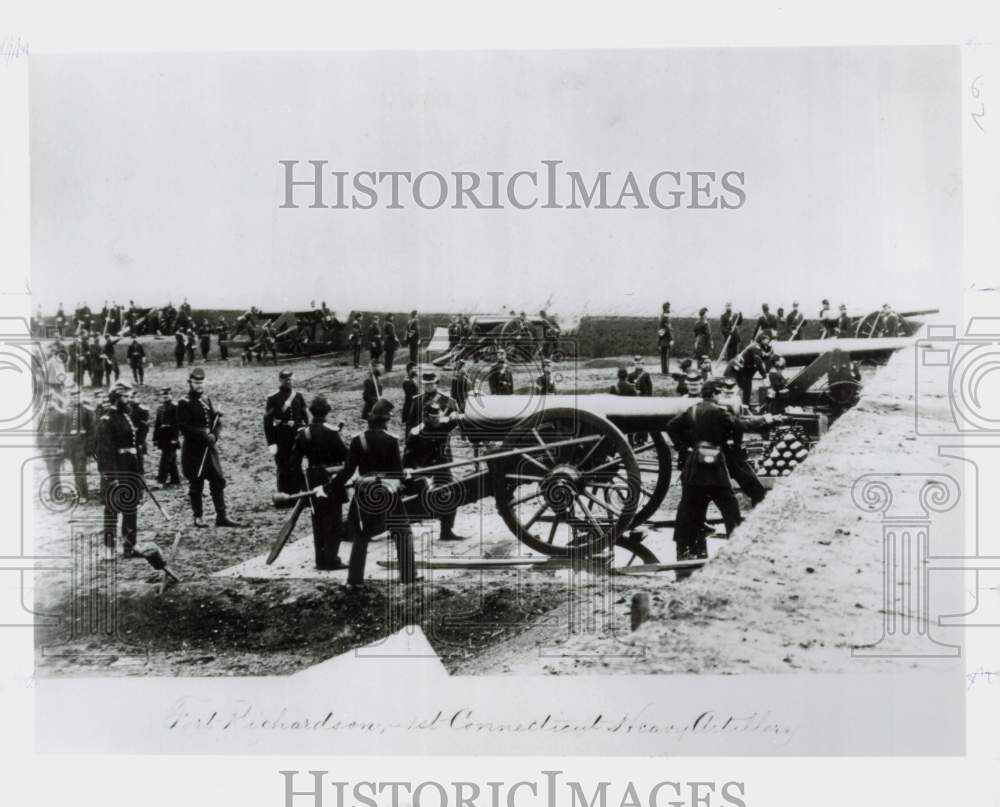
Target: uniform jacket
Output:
[(410, 391), (642, 381), (413, 331), (665, 333), (702, 336), (371, 389), (321, 445), (501, 381), (544, 385), (460, 386), (135, 353), (422, 401), (707, 423), (727, 324), (284, 415), (389, 337), (430, 445), (794, 323), (623, 388), (374, 452), (166, 434), (197, 418), (117, 449)]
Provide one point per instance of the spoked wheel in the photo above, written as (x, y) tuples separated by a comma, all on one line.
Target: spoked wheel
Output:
[(629, 552), (867, 325), (553, 497), (652, 452)]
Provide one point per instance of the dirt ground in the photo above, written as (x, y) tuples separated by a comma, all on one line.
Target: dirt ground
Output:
[(756, 606)]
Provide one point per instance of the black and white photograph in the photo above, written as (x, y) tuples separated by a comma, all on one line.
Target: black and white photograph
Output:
[(505, 401)]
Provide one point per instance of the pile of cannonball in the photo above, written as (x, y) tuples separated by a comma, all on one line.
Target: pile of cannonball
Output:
[(789, 449)]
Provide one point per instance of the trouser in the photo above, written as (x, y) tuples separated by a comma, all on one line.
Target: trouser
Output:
[(328, 526), (389, 356), (366, 409), (744, 381), (54, 467), (113, 368), (744, 476), (216, 487), (179, 357), (691, 512), (138, 373), (414, 349), (732, 348), (223, 350), (167, 472), (97, 375), (190, 354), (356, 352), (120, 497), (77, 456), (402, 537), (665, 359), (289, 480)]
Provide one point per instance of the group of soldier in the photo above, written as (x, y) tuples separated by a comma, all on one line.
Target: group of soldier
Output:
[(116, 319)]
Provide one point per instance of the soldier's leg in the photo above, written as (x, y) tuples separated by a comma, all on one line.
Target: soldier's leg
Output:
[(78, 460), (326, 533), (161, 469), (744, 476), (359, 553), (173, 473), (110, 514), (689, 521), (725, 500), (130, 529), (196, 488), (402, 538), (54, 467)]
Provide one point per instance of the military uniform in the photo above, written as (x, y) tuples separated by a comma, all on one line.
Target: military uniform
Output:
[(461, 384), (642, 381), (179, 348), (222, 331), (189, 343), (371, 391), (390, 342), (374, 341), (544, 385), (121, 485), (730, 326), (843, 326), (166, 437), (96, 364), (768, 323), (284, 414), (703, 344), (751, 361), (321, 445), (197, 419), (136, 355), (410, 391), (623, 387), (355, 341), (413, 337), (501, 380), (794, 323), (204, 339), (429, 444)]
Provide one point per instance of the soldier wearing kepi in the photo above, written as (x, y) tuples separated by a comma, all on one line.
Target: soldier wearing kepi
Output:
[(284, 415), (703, 343), (642, 380), (118, 463), (375, 456), (390, 341), (729, 324), (665, 338), (371, 390), (501, 379), (413, 336), (321, 445), (843, 329), (78, 439), (794, 322), (136, 355), (199, 425), (167, 438)]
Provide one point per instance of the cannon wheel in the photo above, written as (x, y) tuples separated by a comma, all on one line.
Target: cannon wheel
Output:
[(866, 325), (553, 501), (656, 467)]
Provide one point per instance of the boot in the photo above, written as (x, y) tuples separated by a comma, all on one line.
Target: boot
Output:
[(199, 522), (222, 520), (447, 531)]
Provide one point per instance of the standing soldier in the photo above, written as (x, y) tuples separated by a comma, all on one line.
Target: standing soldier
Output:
[(136, 355), (200, 424), (730, 326), (284, 415), (623, 386), (184, 317), (888, 322), (169, 318), (267, 344), (189, 343), (204, 338), (843, 327), (118, 463), (321, 445), (410, 388), (752, 361), (371, 390), (166, 437), (374, 339), (501, 379), (777, 392), (60, 321), (111, 358), (827, 326), (780, 317), (375, 456), (413, 336), (179, 348), (794, 322), (550, 334), (465, 326), (78, 439), (97, 362), (140, 419), (355, 340), (222, 334), (390, 341), (454, 333), (544, 385), (460, 386), (766, 323), (703, 344), (640, 379)]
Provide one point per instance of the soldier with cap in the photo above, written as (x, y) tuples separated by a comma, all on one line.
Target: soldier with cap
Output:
[(703, 430), (120, 469), (355, 339), (320, 444), (222, 336), (199, 425), (545, 384), (794, 322), (374, 339), (410, 388), (640, 379), (843, 327), (461, 384), (500, 378), (284, 415), (766, 322), (390, 342), (827, 324), (729, 324), (413, 336), (735, 453), (623, 386), (777, 391), (179, 348), (371, 389), (752, 361), (889, 322), (189, 343), (204, 338), (703, 343), (136, 355), (375, 456), (166, 437), (665, 338)]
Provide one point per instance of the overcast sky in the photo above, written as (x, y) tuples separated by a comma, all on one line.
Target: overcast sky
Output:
[(155, 177)]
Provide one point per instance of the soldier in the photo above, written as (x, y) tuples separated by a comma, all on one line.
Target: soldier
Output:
[(501, 379), (729, 324), (390, 341), (544, 384), (681, 378), (460, 386), (222, 335), (179, 348), (153, 322), (184, 315), (199, 424), (96, 363), (640, 379), (284, 415), (843, 327), (131, 316), (705, 367), (375, 456), (888, 323), (140, 419), (322, 446), (735, 453), (371, 389), (204, 338), (355, 339), (111, 359), (374, 339), (169, 318), (118, 463), (703, 430), (827, 326), (60, 321), (433, 416), (189, 343), (166, 437), (753, 360), (454, 333), (267, 344), (78, 439), (779, 317), (703, 343), (777, 391), (410, 388), (413, 336), (136, 355), (623, 386), (466, 329), (766, 323), (794, 322)]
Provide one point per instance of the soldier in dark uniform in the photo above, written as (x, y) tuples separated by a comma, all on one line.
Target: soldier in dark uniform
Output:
[(136, 355), (465, 326), (779, 317), (827, 324), (777, 391), (461, 384), (375, 456), (140, 419), (355, 340), (204, 338), (169, 318), (374, 339), (889, 322), (729, 323), (736, 456), (222, 335), (413, 336), (703, 430), (166, 437), (284, 415), (96, 363), (703, 343), (389, 341), (111, 359), (267, 344), (550, 334), (410, 388), (60, 321), (544, 384), (371, 390), (429, 431), (623, 386), (766, 323), (752, 361), (843, 327), (199, 425), (794, 322), (321, 445), (640, 379), (78, 439), (118, 463), (454, 332), (500, 378), (179, 348), (184, 315), (189, 343)]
